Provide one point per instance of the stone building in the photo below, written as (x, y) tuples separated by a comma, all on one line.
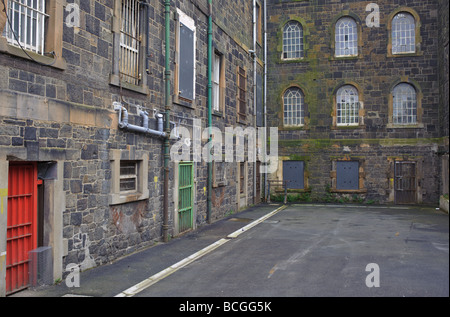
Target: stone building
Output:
[(359, 91), (90, 90), (84, 103)]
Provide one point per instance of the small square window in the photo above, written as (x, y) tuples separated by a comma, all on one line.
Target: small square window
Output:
[(128, 176)]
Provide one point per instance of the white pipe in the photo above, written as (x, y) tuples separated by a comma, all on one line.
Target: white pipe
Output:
[(265, 90), (123, 124), (254, 93)]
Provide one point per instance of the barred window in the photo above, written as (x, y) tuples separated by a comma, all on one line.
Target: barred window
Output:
[(293, 40), (128, 176), (294, 108), (403, 33), (130, 42), (346, 37), (27, 29), (347, 106), (404, 104)]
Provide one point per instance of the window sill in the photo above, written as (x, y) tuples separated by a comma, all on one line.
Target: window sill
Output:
[(417, 54), (115, 81), (217, 113), (58, 62), (345, 58), (348, 191), (348, 127), (184, 102), (119, 198), (294, 60), (293, 128), (406, 126)]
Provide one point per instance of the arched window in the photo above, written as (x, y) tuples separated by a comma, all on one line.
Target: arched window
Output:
[(293, 40), (346, 37), (404, 104), (347, 106), (403, 33), (294, 107)]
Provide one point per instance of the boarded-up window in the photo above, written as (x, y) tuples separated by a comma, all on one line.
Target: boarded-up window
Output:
[(347, 175), (186, 53), (259, 101), (242, 93), (293, 173)]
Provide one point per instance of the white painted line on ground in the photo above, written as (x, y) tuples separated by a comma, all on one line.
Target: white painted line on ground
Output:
[(175, 267)]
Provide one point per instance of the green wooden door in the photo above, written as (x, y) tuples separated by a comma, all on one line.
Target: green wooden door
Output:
[(185, 196)]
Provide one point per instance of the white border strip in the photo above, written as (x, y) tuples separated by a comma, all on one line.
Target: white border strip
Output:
[(173, 268)]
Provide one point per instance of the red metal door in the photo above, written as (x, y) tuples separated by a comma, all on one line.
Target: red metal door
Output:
[(22, 223)]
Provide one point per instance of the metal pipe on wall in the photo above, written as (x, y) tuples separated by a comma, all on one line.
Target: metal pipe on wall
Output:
[(167, 74)]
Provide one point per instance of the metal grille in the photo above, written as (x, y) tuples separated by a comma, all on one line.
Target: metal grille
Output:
[(293, 40), (27, 19), (405, 104), (128, 176), (293, 107), (405, 182), (22, 224), (185, 196), (41, 266), (346, 37), (403, 34), (130, 42), (347, 110)]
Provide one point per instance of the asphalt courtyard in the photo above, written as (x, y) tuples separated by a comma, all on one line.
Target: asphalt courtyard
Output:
[(287, 251), (331, 251)]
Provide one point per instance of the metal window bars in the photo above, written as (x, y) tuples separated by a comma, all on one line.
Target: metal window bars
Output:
[(130, 42), (27, 29)]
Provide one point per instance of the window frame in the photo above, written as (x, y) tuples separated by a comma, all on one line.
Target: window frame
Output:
[(218, 83), (301, 39), (419, 111), (411, 31), (115, 76), (356, 112), (302, 106), (184, 20), (418, 37), (409, 91), (52, 42), (140, 158), (337, 34), (241, 94)]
